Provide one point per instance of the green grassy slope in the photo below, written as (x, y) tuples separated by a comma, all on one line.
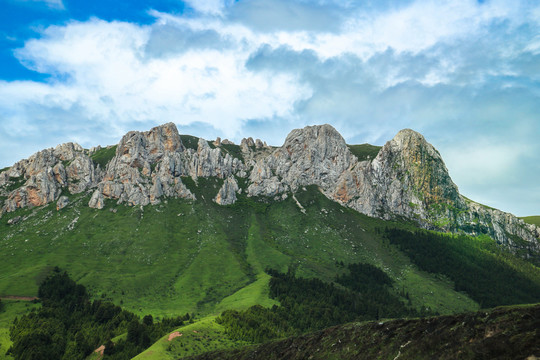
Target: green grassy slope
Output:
[(197, 338), (535, 220), (195, 256)]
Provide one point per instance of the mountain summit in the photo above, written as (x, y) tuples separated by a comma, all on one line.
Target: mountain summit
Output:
[(406, 179)]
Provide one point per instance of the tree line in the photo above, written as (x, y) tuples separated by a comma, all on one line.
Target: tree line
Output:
[(311, 304), (71, 326), (469, 263)]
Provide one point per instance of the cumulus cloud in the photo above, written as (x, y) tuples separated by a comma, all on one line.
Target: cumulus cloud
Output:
[(457, 71), (105, 69)]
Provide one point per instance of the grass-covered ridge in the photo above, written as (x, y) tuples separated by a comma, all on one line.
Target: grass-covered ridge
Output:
[(190, 142), (104, 155), (484, 275), (364, 151), (363, 292), (534, 220)]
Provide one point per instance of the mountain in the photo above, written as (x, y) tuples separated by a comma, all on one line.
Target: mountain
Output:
[(407, 179), (168, 224)]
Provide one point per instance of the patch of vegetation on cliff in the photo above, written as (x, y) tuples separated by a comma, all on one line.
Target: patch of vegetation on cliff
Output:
[(190, 142), (364, 151), (14, 183), (104, 155), (234, 150)]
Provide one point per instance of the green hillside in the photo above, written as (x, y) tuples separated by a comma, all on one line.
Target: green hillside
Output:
[(535, 220), (197, 257)]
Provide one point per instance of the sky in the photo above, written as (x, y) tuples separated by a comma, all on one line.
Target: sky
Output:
[(464, 73)]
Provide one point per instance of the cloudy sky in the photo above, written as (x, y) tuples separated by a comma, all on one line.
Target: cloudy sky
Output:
[(465, 73)]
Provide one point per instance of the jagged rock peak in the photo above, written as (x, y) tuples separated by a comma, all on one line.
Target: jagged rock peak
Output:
[(318, 144), (420, 167), (314, 155), (154, 143), (414, 144), (406, 134), (68, 151), (320, 132)]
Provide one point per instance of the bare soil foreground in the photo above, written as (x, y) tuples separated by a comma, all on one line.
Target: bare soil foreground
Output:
[(501, 333)]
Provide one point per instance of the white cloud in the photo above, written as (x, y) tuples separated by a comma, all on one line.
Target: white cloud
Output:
[(110, 79)]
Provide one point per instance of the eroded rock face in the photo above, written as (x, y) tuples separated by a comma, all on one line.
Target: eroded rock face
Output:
[(207, 162), (62, 202), (407, 178), (315, 155), (147, 166), (227, 193), (43, 176)]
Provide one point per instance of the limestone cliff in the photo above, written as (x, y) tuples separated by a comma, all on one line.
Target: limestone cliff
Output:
[(407, 178), (40, 179)]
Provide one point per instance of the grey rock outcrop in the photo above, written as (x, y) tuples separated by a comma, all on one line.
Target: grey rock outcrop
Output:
[(43, 176), (315, 155), (227, 193), (147, 165), (150, 165), (97, 201), (62, 202), (207, 162), (14, 221)]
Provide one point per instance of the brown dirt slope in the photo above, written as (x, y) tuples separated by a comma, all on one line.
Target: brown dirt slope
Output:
[(501, 333)]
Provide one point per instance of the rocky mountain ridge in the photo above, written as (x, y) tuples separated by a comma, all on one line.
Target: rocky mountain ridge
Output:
[(407, 179)]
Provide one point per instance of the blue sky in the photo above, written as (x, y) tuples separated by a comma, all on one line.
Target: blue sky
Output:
[(465, 73)]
